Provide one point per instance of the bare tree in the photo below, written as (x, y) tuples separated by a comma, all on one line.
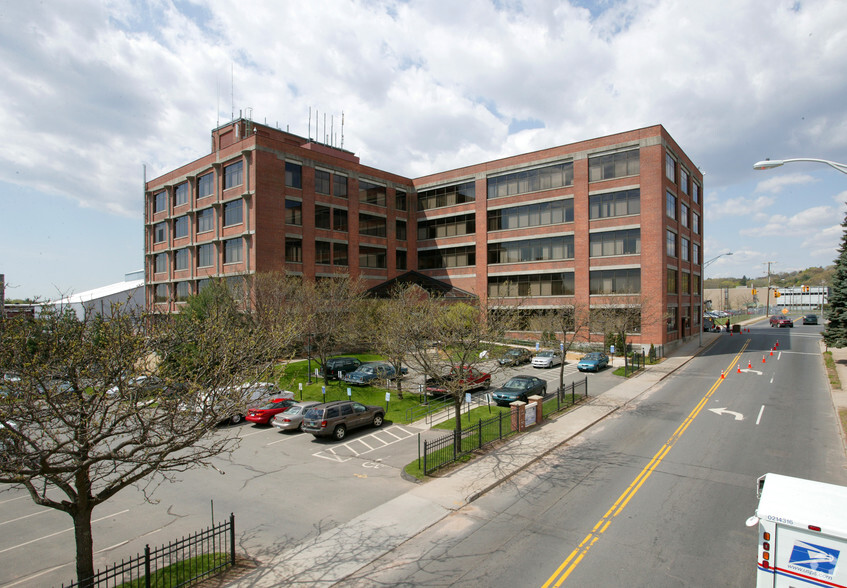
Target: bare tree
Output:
[(87, 412), (328, 308), (570, 323)]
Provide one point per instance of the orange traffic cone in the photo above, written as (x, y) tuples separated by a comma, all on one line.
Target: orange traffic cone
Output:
[(777, 344), (749, 365), (771, 352), (763, 359), (739, 369), (723, 375)]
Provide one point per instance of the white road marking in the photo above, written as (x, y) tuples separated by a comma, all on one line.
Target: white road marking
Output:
[(759, 418), (331, 454), (59, 532), (13, 499), (27, 516)]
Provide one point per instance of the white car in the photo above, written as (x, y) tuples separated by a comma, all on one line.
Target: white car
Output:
[(546, 359)]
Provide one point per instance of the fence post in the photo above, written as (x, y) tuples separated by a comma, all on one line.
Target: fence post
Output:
[(456, 440), (232, 536), (586, 386), (479, 432), (424, 457), (500, 423), (147, 565)]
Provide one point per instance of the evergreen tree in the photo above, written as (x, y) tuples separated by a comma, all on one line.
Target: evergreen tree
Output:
[(835, 334)]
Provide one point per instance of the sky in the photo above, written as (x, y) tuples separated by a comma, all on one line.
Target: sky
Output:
[(94, 91)]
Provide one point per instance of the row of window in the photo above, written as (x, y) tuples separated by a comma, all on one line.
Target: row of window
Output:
[(677, 174), (233, 214), (182, 290), (204, 255), (532, 180), (600, 282), (683, 282), (544, 249), (685, 217), (539, 319), (336, 254), (687, 251)]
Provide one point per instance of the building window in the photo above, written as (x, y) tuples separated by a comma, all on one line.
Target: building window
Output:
[(673, 318), (372, 257), (626, 242), (323, 252), (670, 167), (531, 250), (628, 316), (233, 250), (683, 247), (670, 205), (683, 214), (322, 182), (695, 284), (672, 281), (447, 196), (233, 175), (371, 193), (339, 254), (613, 204), (160, 263), (695, 253), (670, 238), (531, 215), (695, 223), (205, 185), (293, 212), (695, 192), (400, 259), (160, 201), (181, 226), (339, 219), (619, 281), (293, 250), (205, 220), (532, 180), (233, 213), (400, 230), (160, 293), (339, 186), (206, 255), (293, 175), (400, 202), (447, 257), (181, 259), (181, 194), (558, 284), (183, 291), (613, 165), (448, 226), (685, 283), (683, 179), (160, 232), (323, 217), (375, 226)]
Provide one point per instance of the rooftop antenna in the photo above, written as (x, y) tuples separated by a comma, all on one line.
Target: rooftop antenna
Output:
[(218, 107), (310, 124), (232, 87), (342, 129), (331, 131)]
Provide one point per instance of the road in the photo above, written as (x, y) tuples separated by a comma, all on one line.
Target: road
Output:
[(655, 496), (283, 488)]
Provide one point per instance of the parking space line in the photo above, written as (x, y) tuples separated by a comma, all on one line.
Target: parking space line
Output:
[(27, 516), (284, 438), (348, 446), (58, 532)]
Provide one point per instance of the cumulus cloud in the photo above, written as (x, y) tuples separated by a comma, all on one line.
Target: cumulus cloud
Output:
[(777, 184)]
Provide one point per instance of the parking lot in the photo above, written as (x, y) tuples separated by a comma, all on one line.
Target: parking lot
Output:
[(283, 487)]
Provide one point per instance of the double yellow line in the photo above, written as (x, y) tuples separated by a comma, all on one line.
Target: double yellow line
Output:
[(563, 571)]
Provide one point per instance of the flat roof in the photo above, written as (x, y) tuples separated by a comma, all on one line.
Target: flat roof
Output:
[(800, 503)]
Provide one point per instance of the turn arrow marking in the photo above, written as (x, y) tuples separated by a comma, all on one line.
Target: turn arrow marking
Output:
[(738, 416), (757, 372)]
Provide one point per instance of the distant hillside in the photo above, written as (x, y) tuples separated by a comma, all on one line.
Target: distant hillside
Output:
[(813, 276)]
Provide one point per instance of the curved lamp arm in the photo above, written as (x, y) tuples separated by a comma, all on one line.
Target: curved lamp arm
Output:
[(771, 163)]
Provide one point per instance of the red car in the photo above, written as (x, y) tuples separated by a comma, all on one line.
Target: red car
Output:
[(266, 413), (469, 378), (781, 321)]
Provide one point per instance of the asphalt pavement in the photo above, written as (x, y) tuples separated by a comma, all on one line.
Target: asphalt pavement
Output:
[(335, 554)]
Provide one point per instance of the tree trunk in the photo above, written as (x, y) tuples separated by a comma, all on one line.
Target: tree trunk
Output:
[(84, 547)]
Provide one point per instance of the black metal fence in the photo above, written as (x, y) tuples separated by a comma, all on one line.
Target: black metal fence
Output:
[(182, 562), (452, 446)]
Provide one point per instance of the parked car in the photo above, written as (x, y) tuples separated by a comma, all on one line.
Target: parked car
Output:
[(372, 372), (263, 415), (515, 356), (781, 321), (519, 388), (334, 365), (247, 393), (810, 319), (464, 379), (593, 362), (291, 419), (336, 418), (546, 359)]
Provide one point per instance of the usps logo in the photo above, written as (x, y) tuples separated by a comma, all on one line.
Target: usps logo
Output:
[(816, 558)]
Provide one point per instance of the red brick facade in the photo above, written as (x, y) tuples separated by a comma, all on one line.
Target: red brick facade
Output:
[(636, 163)]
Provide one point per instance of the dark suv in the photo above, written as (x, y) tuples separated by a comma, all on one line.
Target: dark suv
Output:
[(336, 418), (345, 365)]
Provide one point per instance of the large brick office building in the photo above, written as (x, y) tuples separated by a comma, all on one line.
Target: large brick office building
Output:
[(609, 222)]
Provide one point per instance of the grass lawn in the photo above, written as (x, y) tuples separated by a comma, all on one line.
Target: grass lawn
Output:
[(180, 573), (290, 376)]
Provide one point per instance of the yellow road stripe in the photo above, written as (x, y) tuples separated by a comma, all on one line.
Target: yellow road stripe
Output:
[(567, 566)]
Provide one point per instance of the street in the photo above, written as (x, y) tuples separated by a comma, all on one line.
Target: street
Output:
[(656, 495)]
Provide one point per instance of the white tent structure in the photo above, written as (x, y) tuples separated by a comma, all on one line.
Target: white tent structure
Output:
[(129, 293)]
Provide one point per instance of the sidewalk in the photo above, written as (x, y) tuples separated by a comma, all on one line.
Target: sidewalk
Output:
[(839, 396), (341, 551)]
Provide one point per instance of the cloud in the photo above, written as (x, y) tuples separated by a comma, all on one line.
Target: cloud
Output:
[(732, 207), (777, 184)]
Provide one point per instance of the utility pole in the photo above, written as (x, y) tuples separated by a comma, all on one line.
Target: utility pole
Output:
[(768, 303)]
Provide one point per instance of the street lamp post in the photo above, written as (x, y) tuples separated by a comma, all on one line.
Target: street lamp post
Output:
[(703, 289), (772, 163)]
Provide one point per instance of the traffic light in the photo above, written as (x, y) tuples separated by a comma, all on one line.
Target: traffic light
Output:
[(776, 294), (754, 292)]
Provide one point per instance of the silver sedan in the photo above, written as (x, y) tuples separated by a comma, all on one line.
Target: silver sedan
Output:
[(291, 419)]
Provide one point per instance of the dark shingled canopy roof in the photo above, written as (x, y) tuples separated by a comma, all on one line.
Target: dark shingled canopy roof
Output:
[(430, 285)]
